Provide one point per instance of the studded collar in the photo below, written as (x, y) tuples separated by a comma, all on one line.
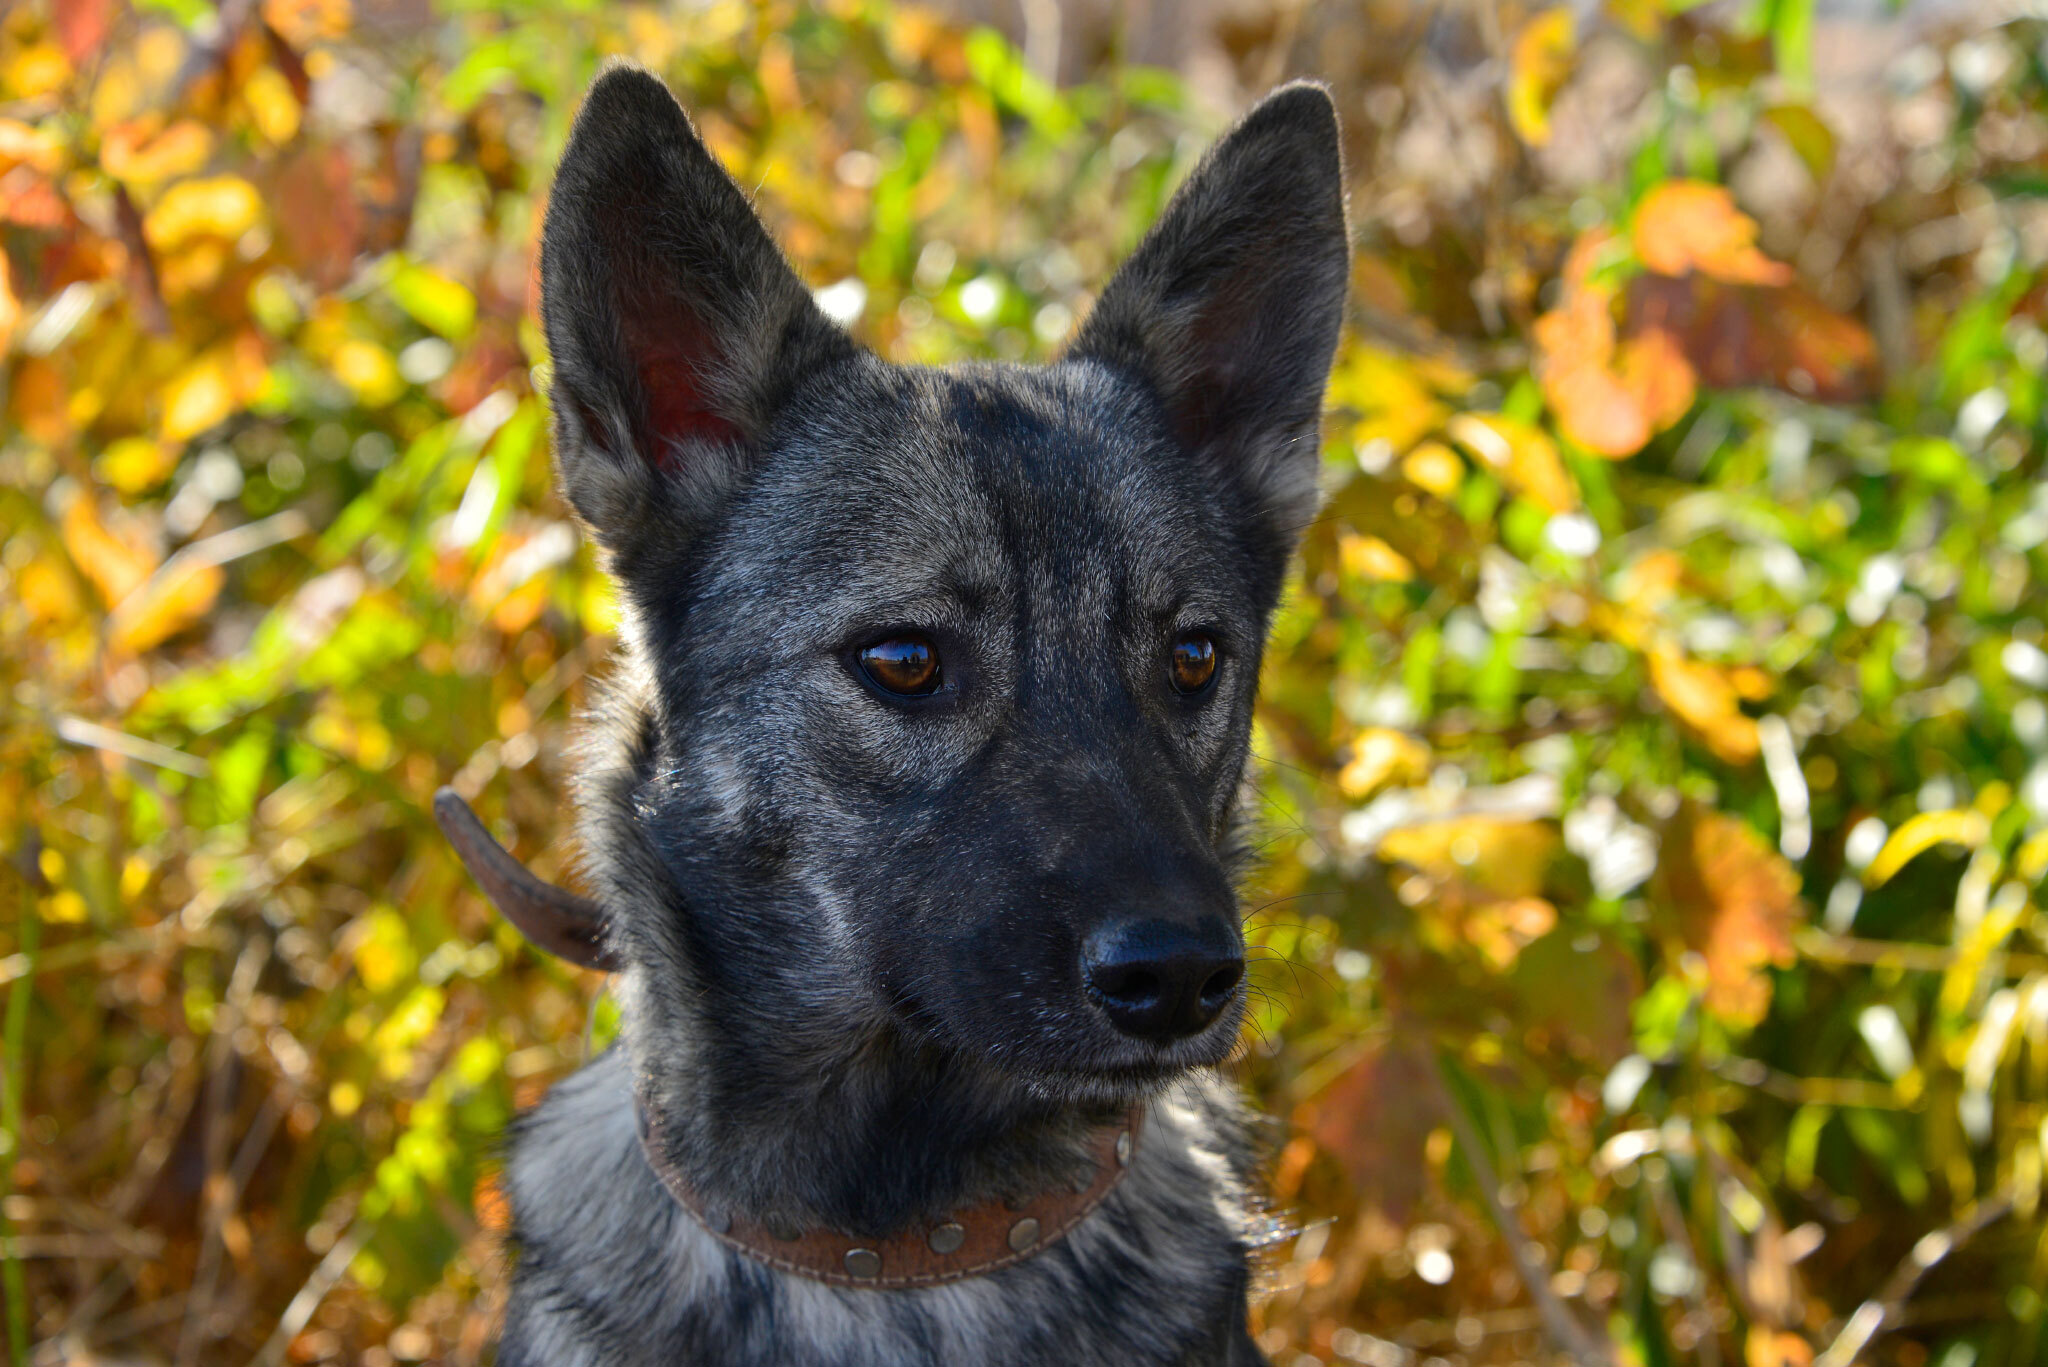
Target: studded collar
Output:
[(974, 1241)]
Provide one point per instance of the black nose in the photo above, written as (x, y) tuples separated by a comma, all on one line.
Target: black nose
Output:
[(1160, 981)]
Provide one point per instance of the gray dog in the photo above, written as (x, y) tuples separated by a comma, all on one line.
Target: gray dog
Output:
[(910, 815)]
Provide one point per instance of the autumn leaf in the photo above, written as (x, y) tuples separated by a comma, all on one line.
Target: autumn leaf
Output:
[(1375, 1119), (117, 560), (1705, 699), (10, 305), (1767, 1347), (1731, 899), (1370, 558), (164, 606), (1691, 225), (1610, 396), (1921, 833), (1736, 336), (23, 144), (215, 206), (1537, 69), (1505, 857), (1382, 758), (143, 153), (82, 26), (1579, 988), (1522, 454)]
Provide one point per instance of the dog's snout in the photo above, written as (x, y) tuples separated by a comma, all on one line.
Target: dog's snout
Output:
[(1161, 981)]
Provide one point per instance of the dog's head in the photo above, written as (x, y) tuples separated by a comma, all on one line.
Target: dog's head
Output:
[(949, 673)]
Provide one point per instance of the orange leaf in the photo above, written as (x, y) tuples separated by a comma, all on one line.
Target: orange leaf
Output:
[(1734, 901), (1704, 698), (117, 564), (165, 607), (1691, 225), (137, 152), (82, 26), (10, 306), (24, 144), (1609, 397)]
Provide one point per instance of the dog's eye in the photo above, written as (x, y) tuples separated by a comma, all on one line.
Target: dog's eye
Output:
[(1194, 662), (908, 665)]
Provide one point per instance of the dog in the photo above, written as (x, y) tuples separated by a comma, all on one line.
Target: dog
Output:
[(910, 816)]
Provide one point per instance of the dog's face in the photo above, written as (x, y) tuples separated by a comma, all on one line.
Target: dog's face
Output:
[(952, 671)]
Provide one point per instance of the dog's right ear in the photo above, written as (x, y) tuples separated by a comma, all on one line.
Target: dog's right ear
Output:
[(676, 326)]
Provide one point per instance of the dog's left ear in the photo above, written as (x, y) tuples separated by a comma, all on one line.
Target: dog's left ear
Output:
[(675, 326), (1229, 309)]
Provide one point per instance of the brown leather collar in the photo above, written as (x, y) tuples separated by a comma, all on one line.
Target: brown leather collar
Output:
[(980, 1239)]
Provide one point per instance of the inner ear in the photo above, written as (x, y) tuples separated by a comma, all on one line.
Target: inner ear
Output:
[(677, 399)]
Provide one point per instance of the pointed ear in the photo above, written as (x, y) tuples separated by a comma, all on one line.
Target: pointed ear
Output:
[(1229, 309), (675, 326)]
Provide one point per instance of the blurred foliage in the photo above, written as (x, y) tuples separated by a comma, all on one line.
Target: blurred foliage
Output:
[(1655, 756)]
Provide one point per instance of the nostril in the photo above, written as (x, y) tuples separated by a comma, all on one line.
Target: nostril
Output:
[(1126, 984), (1216, 989)]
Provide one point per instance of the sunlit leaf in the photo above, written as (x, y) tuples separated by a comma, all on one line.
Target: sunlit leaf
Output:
[(1689, 225), (1734, 901), (1922, 832), (1704, 698), (215, 206), (1538, 66), (1522, 454)]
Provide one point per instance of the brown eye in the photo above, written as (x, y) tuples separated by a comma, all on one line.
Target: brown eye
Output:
[(907, 665), (1194, 662)]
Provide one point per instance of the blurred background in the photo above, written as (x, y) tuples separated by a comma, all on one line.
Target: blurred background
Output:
[(1654, 754)]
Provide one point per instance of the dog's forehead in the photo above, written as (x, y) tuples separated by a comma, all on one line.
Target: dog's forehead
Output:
[(980, 481)]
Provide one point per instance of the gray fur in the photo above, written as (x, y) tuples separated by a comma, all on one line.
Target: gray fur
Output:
[(849, 924)]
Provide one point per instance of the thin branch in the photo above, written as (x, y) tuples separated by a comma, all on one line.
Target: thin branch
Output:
[(1531, 1264), (1885, 1310)]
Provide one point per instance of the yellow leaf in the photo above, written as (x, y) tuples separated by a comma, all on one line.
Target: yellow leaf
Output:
[(1922, 833), (367, 369), (133, 465), (137, 153), (213, 386), (1704, 698), (1368, 557), (1507, 858), (1522, 454), (35, 70), (1537, 70), (1382, 758), (215, 206), (197, 397), (272, 106), (165, 607), (48, 592), (1435, 467), (1691, 225)]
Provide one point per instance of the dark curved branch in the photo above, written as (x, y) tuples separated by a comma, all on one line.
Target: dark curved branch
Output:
[(555, 919)]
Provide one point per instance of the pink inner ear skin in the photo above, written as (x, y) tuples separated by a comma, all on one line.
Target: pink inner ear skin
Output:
[(679, 401)]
